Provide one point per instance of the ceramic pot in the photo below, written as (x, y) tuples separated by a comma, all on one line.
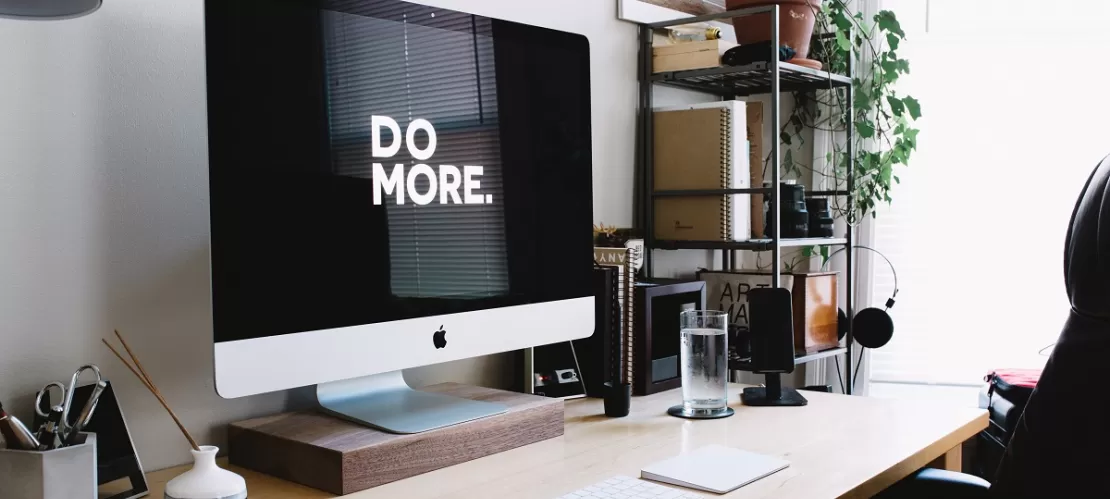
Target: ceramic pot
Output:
[(796, 20), (206, 480)]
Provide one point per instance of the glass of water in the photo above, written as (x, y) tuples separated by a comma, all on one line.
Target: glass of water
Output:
[(703, 362)]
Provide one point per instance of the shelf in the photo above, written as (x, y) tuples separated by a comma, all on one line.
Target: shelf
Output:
[(752, 245), (751, 79), (708, 192), (739, 365), (725, 192), (824, 354)]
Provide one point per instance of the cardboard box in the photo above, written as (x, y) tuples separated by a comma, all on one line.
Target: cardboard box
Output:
[(689, 55), (755, 164)]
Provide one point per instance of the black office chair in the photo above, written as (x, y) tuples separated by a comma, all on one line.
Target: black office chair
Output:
[(1062, 442)]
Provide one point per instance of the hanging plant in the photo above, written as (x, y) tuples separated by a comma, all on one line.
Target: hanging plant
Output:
[(882, 118)]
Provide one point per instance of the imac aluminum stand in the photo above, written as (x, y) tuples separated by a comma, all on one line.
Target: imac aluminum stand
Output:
[(386, 402)]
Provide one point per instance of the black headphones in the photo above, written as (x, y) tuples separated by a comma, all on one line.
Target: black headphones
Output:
[(871, 327)]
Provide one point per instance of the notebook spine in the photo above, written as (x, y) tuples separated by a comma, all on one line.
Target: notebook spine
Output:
[(726, 175)]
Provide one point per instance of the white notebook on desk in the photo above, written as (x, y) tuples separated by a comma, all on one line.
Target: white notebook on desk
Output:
[(714, 468)]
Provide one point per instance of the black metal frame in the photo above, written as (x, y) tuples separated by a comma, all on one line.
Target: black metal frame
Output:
[(773, 77)]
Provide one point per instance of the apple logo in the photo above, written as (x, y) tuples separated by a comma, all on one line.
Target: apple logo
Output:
[(439, 339)]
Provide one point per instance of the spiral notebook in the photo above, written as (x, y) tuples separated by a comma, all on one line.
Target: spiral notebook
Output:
[(702, 147)]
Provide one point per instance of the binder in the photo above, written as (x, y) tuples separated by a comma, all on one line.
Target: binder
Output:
[(702, 147)]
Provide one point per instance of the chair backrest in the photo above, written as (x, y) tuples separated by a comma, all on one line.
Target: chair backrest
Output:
[(1062, 443)]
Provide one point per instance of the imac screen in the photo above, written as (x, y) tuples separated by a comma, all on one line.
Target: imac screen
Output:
[(377, 160)]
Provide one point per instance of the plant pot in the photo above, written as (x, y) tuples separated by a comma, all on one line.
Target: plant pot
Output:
[(796, 21), (206, 480)]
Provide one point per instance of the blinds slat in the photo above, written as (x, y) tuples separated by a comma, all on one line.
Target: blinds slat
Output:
[(410, 62)]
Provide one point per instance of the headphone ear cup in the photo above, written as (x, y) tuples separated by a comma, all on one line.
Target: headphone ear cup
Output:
[(873, 327), (841, 324)]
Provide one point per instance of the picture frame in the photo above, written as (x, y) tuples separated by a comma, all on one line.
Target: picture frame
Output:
[(659, 303)]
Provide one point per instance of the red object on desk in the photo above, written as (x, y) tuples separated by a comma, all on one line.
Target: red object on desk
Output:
[(1025, 378)]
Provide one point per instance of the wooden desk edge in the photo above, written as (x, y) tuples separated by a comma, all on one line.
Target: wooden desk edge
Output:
[(267, 487), (938, 453)]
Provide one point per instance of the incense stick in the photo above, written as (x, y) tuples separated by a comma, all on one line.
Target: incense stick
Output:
[(149, 384)]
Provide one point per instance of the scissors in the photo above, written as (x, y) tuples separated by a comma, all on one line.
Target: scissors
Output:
[(67, 394)]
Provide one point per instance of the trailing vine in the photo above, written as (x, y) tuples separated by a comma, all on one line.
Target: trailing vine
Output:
[(882, 118)]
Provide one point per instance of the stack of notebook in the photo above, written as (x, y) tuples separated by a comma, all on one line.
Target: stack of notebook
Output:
[(703, 146)]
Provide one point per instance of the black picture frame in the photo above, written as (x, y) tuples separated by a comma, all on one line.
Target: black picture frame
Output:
[(656, 337)]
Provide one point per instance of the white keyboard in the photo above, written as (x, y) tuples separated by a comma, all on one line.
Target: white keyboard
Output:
[(623, 487)]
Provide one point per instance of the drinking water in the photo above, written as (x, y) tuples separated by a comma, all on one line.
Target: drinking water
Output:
[(704, 365)]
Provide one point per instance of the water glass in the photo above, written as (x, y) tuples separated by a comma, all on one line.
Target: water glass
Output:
[(703, 362)]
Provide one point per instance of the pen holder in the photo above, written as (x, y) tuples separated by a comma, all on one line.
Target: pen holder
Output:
[(618, 399), (65, 473)]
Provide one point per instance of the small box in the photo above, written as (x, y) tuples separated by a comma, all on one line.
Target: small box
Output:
[(689, 55), (66, 473)]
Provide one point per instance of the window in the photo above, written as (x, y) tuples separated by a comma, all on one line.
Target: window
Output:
[(437, 66), (1014, 122)]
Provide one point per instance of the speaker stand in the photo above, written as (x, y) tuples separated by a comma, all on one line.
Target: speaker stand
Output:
[(774, 395)]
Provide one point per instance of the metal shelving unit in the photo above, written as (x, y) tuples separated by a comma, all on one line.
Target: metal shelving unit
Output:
[(774, 78)]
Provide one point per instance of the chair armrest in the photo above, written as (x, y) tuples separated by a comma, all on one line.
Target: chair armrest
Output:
[(932, 483)]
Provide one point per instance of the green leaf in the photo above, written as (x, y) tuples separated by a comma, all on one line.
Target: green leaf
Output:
[(904, 66), (862, 100), (892, 40), (889, 68), (842, 22), (788, 160), (865, 129), (896, 106), (807, 251), (824, 255), (842, 41), (911, 134), (913, 107), (887, 21), (784, 137), (898, 156), (896, 179)]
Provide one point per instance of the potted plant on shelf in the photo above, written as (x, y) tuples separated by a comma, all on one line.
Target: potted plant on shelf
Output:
[(796, 22)]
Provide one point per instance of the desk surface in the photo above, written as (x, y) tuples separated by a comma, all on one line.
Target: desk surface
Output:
[(838, 446)]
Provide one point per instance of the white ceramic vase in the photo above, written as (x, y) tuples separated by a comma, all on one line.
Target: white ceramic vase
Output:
[(206, 480)]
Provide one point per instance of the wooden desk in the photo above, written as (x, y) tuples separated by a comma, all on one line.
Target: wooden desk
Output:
[(838, 446)]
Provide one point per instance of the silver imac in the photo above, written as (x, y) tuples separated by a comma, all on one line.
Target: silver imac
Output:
[(392, 185)]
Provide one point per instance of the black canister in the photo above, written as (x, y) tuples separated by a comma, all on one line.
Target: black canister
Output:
[(820, 217), (795, 217)]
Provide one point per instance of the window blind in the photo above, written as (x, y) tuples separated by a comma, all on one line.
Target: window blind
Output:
[(413, 62), (978, 223)]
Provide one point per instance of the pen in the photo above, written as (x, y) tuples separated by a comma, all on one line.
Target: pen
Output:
[(86, 414)]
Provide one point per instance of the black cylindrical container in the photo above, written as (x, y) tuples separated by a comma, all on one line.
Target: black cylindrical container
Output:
[(820, 217), (795, 218), (618, 399)]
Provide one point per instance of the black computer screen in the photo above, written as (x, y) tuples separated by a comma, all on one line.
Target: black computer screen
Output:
[(377, 160)]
